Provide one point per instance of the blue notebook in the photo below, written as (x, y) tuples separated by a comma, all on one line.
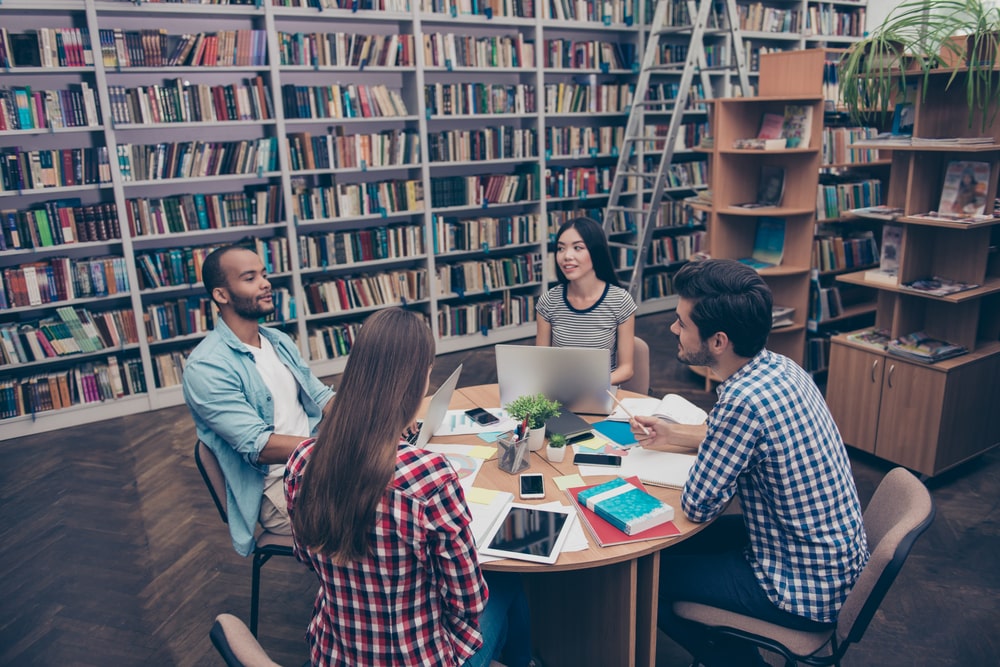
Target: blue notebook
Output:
[(620, 432)]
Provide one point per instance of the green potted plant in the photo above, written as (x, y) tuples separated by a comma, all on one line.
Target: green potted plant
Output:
[(537, 410), (917, 38), (555, 451)]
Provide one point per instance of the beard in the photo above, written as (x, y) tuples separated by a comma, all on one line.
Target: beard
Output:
[(699, 357), (251, 308)]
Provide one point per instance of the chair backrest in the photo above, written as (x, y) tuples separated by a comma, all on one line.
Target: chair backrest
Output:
[(899, 512), (236, 644), (211, 472), (639, 382)]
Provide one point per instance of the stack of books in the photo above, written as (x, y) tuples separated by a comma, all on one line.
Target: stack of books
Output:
[(918, 346)]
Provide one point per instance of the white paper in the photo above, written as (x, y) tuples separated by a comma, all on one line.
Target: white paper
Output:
[(456, 422)]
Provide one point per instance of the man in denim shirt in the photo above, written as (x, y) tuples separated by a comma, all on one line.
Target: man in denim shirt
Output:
[(252, 396)]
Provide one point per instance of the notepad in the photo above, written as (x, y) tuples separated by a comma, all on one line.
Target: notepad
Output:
[(672, 407), (657, 468)]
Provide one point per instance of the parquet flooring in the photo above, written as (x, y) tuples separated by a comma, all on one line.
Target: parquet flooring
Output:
[(111, 552)]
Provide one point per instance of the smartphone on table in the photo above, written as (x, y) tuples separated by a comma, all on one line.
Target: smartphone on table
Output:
[(532, 485), (481, 416), (597, 460)]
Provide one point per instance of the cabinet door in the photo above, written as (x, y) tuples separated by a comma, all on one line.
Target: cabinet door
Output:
[(853, 390), (910, 417)]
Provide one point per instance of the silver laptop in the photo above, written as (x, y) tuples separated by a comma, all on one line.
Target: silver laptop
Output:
[(436, 410), (577, 377)]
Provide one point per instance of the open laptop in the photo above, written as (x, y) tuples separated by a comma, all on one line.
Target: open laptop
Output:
[(577, 377), (436, 410)]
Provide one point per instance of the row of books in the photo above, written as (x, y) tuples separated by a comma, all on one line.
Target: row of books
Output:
[(716, 55), (824, 302), (451, 50), (555, 218), (341, 101), (476, 99), (673, 213), (92, 382), (344, 200), (196, 159), (70, 332), (598, 11), (577, 181), (668, 91), (835, 200), (59, 167), (62, 279), (689, 136), (332, 341), (582, 141), (679, 248), (354, 5), (157, 216), (366, 291), (362, 245), (487, 8), (488, 274), (172, 266), (46, 47), (491, 143), (838, 149), (479, 190), (58, 222), (353, 151), (753, 51), (687, 174), (817, 357), (484, 233), (589, 54), (484, 316), (168, 368), (827, 20), (22, 108), (180, 101), (758, 17), (834, 253), (917, 346), (343, 49), (657, 286), (152, 47), (588, 97)]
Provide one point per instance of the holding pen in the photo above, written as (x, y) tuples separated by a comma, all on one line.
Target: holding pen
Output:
[(627, 413)]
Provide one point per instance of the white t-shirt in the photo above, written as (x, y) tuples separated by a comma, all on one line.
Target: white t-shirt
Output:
[(290, 417)]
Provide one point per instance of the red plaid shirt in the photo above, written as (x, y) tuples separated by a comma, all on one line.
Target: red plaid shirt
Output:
[(416, 599)]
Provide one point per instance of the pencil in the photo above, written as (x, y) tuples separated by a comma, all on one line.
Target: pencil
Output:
[(625, 410)]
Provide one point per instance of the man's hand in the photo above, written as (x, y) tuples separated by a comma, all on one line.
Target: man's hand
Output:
[(656, 433)]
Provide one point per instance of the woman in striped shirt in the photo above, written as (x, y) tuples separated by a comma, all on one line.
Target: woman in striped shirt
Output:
[(588, 308)]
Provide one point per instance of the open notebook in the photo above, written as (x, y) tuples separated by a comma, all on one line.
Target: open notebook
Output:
[(657, 468)]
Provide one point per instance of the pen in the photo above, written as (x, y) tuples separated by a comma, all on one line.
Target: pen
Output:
[(627, 413)]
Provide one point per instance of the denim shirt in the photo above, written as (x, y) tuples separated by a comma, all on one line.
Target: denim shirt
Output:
[(234, 415)]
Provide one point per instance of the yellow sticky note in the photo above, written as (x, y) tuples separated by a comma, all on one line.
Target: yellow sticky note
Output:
[(568, 481), (483, 452), (482, 496), (594, 443)]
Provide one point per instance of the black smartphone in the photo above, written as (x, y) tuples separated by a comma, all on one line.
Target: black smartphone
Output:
[(597, 460), (481, 416)]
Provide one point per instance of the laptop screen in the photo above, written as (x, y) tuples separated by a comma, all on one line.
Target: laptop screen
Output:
[(578, 377)]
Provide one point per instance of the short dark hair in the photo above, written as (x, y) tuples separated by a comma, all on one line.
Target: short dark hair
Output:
[(212, 274), (597, 245), (729, 297)]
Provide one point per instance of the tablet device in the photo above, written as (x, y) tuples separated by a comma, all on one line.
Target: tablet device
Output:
[(526, 532)]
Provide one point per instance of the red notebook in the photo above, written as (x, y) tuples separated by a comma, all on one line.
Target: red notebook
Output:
[(606, 534)]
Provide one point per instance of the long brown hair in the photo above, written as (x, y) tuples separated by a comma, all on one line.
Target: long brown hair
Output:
[(354, 457)]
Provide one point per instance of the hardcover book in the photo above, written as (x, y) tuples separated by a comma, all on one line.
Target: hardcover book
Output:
[(625, 505), (605, 534)]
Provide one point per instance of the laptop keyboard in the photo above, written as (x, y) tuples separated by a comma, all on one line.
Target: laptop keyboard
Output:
[(412, 438)]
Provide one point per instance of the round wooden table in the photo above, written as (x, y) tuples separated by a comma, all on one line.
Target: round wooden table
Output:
[(594, 607)]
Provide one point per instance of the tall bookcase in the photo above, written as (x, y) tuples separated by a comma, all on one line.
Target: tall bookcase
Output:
[(380, 151), (929, 417)]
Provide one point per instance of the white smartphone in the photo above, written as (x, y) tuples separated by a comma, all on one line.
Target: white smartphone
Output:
[(532, 485)]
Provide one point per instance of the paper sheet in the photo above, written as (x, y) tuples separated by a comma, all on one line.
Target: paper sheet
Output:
[(456, 422)]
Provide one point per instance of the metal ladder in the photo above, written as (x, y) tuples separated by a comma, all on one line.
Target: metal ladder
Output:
[(636, 222)]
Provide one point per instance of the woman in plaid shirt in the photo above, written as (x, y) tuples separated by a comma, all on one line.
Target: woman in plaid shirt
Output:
[(385, 525)]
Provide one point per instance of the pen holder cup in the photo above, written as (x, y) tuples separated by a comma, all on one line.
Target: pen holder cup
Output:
[(513, 455)]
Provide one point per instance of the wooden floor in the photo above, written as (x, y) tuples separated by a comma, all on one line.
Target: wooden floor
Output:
[(112, 553)]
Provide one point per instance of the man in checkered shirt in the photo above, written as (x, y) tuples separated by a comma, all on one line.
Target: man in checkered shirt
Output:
[(794, 555)]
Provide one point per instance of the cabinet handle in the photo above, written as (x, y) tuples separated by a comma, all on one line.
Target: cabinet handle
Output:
[(889, 380), (874, 367)]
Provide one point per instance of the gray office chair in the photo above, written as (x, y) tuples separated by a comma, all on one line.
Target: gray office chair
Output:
[(899, 512), (268, 544), (236, 644), (639, 382)]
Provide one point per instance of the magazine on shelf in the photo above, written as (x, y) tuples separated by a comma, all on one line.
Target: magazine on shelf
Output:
[(770, 188), (872, 337), (781, 316), (772, 126), (877, 212), (964, 189), (768, 244), (902, 119), (760, 144), (937, 286), (918, 346), (797, 127)]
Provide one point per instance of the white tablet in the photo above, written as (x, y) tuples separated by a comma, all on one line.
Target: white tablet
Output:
[(526, 532)]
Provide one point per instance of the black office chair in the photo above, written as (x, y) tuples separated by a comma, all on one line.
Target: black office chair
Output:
[(268, 544), (236, 644), (899, 512)]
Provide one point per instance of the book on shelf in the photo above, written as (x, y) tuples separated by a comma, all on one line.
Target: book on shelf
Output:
[(797, 128), (877, 212), (772, 126), (918, 346), (672, 407), (902, 119), (872, 337), (625, 505), (770, 187), (937, 286), (768, 244), (892, 237), (964, 189), (758, 144), (605, 533)]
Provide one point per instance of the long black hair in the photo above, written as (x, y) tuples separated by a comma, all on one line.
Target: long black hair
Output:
[(597, 245)]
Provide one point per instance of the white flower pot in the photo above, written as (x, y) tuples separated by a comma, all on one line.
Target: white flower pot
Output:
[(536, 439), (555, 454)]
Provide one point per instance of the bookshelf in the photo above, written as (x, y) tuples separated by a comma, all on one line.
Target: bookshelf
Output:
[(929, 417)]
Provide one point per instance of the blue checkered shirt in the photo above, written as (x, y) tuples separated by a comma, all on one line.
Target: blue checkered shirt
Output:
[(772, 441)]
